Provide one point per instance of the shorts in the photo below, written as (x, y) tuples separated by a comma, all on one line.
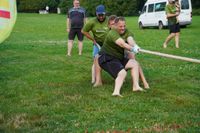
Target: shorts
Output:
[(111, 64), (74, 32), (175, 28), (95, 51)]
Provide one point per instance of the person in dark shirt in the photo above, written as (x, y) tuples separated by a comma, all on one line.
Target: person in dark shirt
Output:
[(75, 20)]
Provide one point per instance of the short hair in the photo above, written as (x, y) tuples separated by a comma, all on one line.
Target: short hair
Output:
[(112, 17), (119, 19)]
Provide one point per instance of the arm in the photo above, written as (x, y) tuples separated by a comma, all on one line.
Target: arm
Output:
[(68, 25), (131, 41), (169, 15), (87, 34), (120, 42)]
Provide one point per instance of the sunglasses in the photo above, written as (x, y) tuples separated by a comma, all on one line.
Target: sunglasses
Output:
[(100, 15)]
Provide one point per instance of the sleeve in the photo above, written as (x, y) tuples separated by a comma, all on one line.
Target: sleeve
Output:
[(88, 26), (114, 35), (167, 9), (130, 34)]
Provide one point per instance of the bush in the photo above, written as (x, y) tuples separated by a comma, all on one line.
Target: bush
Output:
[(195, 11), (36, 5)]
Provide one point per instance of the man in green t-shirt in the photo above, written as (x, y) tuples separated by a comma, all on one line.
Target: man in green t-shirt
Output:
[(99, 28), (112, 57), (174, 27)]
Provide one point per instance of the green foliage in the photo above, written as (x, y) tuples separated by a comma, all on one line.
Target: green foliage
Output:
[(65, 5), (196, 11), (36, 5), (195, 4), (42, 90), (117, 7)]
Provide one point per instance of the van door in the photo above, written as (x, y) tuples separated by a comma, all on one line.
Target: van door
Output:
[(160, 13), (150, 17), (142, 17), (185, 16)]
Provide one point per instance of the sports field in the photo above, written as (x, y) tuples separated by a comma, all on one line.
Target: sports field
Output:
[(42, 90)]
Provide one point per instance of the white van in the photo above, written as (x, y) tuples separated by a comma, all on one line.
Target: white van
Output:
[(153, 14)]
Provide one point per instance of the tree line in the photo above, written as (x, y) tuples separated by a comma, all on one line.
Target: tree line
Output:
[(118, 7)]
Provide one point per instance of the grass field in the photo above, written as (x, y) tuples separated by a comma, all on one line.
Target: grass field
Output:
[(42, 90)]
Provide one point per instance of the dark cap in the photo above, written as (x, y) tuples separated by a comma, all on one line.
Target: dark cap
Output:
[(100, 9)]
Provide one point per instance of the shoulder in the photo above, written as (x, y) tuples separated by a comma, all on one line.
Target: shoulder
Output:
[(71, 9), (82, 8)]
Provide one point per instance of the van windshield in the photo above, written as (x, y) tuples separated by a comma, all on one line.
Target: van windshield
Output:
[(184, 4), (144, 9)]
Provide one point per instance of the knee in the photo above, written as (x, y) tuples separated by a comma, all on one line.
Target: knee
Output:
[(173, 34), (134, 63), (122, 73)]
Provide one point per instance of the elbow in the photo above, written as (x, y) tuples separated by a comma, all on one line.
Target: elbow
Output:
[(82, 32)]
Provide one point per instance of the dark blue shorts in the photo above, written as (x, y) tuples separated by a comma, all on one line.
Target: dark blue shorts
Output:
[(111, 64), (175, 28), (74, 32)]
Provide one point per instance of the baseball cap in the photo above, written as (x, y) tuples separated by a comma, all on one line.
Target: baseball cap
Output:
[(100, 9)]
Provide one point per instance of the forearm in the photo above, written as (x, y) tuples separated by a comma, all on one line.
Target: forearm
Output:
[(87, 34), (120, 42), (169, 15), (131, 41), (68, 25)]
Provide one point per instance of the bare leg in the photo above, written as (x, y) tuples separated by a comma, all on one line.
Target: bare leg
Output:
[(70, 45), (98, 81), (141, 75), (133, 65), (93, 73), (80, 47), (119, 82), (168, 39), (177, 39)]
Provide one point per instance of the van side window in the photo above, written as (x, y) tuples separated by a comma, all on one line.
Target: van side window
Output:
[(150, 7), (160, 6), (184, 4), (144, 9)]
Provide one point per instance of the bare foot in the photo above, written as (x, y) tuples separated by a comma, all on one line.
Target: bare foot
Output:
[(93, 81), (97, 84), (177, 46), (164, 45), (146, 86), (68, 55), (117, 95), (138, 89)]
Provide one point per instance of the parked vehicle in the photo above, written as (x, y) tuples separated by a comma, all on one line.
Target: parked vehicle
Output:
[(153, 14)]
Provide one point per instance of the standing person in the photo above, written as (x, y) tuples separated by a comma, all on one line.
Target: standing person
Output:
[(75, 21), (174, 27), (98, 26), (112, 58)]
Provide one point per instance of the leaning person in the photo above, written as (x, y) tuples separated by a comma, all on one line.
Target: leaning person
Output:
[(112, 58), (98, 26), (128, 38)]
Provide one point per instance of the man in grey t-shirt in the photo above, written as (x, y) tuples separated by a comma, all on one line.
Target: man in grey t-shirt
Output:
[(75, 20)]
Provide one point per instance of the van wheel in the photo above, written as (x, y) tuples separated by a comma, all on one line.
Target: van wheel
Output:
[(160, 25), (141, 25)]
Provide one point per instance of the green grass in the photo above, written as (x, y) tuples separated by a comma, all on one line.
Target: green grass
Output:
[(42, 90)]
